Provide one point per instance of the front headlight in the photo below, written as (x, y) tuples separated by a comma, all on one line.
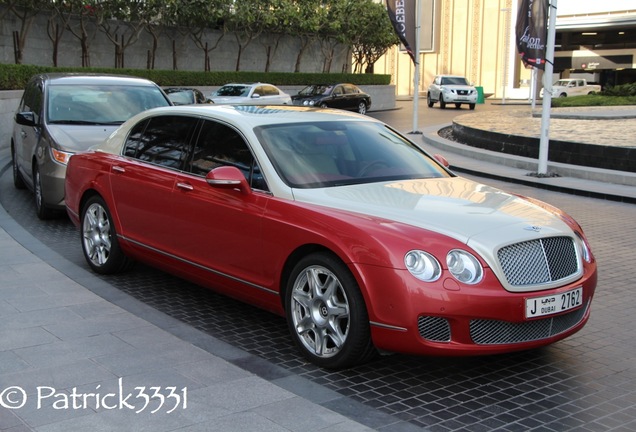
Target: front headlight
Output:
[(423, 265), (464, 267), (60, 156)]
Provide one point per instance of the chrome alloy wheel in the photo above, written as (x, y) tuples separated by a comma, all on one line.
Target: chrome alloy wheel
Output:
[(96, 234), (320, 311)]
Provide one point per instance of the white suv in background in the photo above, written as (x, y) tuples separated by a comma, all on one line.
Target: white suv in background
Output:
[(451, 89)]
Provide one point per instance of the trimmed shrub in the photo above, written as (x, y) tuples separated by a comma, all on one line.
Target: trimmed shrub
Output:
[(15, 77)]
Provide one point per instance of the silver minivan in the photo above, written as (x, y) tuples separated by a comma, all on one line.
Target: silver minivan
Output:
[(61, 114)]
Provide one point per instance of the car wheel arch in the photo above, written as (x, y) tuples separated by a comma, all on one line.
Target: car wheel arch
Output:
[(90, 193), (301, 252)]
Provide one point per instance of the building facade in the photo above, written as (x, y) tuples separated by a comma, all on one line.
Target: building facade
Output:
[(476, 38)]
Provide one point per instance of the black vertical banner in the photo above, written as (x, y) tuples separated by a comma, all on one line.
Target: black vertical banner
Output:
[(532, 32), (402, 15)]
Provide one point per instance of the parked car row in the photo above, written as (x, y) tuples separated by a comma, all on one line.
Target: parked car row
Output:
[(341, 96), (362, 240)]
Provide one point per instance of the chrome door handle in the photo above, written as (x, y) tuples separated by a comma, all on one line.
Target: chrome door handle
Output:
[(185, 186)]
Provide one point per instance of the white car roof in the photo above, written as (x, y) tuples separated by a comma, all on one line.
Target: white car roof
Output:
[(258, 115)]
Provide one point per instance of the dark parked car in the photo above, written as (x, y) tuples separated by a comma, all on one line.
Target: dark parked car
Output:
[(342, 96), (61, 114), (186, 96)]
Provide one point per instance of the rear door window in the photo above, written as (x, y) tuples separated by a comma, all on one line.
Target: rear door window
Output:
[(161, 140)]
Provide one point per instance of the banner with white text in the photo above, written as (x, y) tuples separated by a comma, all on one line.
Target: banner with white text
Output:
[(402, 15), (532, 32)]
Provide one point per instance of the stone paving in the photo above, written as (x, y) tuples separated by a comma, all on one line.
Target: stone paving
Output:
[(611, 126)]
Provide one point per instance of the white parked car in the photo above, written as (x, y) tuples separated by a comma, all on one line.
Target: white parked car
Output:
[(573, 87), (447, 89), (252, 94)]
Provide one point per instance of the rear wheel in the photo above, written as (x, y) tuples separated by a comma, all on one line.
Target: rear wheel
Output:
[(99, 239), (326, 313), (18, 183)]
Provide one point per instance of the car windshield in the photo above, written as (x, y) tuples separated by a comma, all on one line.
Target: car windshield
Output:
[(100, 104), (233, 90), (327, 154), (454, 81), (316, 90)]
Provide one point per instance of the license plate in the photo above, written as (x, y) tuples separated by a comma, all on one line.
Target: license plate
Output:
[(548, 305)]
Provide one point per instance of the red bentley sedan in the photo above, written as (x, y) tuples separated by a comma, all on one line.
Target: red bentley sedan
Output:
[(363, 241)]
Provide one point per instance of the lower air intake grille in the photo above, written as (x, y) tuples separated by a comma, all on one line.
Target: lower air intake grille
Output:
[(492, 332), (434, 329)]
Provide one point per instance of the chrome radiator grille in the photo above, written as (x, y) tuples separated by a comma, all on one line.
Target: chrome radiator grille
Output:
[(539, 261), (492, 332)]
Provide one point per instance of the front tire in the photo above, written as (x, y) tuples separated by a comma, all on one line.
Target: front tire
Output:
[(429, 101), (442, 102), (99, 239), (362, 108), (41, 210), (326, 313)]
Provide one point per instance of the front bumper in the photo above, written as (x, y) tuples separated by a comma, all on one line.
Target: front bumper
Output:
[(444, 318), (452, 97), (52, 176)]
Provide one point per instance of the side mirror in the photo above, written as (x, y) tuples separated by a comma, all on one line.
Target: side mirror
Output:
[(441, 159), (255, 96), (26, 118), (228, 177)]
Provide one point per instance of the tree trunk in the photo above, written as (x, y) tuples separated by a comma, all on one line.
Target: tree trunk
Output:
[(174, 55), (238, 58)]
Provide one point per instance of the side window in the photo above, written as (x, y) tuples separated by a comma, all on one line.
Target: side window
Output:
[(32, 99), (338, 91), (260, 91), (220, 145), (270, 91), (161, 140)]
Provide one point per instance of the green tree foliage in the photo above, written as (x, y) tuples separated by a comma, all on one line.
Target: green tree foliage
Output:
[(358, 27)]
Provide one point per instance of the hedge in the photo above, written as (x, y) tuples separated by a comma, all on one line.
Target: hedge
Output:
[(15, 77)]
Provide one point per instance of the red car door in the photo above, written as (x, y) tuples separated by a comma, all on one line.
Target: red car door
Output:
[(219, 228), (144, 178)]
